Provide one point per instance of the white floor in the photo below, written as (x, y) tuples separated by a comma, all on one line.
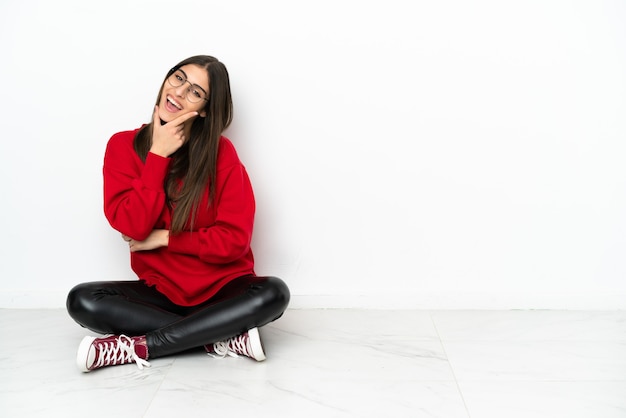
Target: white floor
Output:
[(337, 363)]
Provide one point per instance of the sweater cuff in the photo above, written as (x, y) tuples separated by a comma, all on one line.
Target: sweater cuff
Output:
[(154, 171)]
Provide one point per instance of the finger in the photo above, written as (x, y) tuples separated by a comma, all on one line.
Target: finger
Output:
[(126, 238), (156, 120), (183, 118)]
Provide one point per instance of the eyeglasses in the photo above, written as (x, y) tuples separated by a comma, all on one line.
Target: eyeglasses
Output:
[(195, 93)]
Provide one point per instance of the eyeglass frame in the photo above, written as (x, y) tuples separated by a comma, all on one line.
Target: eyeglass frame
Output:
[(173, 71)]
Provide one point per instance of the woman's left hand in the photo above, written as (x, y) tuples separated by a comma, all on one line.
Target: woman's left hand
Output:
[(157, 238)]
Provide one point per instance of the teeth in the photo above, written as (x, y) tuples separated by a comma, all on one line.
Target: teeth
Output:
[(174, 103)]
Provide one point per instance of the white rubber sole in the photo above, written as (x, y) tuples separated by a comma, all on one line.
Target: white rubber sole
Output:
[(84, 351), (256, 345)]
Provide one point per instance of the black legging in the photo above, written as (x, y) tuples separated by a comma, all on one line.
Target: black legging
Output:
[(135, 309)]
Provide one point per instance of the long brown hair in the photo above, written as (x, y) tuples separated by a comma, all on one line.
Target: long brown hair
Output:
[(194, 164)]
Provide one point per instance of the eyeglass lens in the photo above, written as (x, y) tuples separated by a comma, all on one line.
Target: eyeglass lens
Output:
[(194, 92)]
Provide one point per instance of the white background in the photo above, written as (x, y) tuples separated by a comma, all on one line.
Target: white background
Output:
[(449, 154)]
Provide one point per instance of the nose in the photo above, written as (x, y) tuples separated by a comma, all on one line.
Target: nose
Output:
[(181, 91)]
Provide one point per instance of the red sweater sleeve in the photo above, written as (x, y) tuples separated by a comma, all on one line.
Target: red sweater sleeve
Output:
[(134, 197), (229, 236)]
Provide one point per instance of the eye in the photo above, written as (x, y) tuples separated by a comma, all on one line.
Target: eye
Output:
[(179, 78), (196, 93)]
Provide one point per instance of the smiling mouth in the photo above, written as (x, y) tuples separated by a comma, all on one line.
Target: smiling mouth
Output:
[(173, 103)]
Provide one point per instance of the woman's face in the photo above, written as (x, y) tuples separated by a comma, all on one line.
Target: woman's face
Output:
[(186, 90)]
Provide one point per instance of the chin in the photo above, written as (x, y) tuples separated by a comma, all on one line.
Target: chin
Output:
[(165, 117)]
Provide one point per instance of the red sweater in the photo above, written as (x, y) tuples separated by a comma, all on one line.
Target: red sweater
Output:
[(195, 264)]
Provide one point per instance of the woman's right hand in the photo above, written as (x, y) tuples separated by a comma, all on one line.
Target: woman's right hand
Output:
[(168, 138)]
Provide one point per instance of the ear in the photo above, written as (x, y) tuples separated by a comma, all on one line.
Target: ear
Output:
[(202, 114)]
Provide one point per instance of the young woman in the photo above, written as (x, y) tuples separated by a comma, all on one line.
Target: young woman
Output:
[(180, 197)]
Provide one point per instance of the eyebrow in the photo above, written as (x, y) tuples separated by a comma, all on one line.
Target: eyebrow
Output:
[(193, 84)]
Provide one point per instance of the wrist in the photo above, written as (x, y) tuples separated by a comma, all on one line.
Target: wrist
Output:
[(159, 152)]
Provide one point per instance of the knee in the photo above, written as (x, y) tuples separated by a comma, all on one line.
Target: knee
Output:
[(275, 295), (280, 291), (79, 300)]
